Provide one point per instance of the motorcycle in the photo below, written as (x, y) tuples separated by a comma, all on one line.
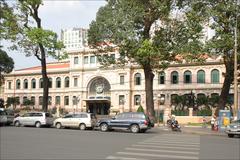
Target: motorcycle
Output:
[(175, 126)]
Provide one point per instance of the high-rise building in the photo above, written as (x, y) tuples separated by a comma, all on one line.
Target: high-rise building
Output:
[(74, 38)]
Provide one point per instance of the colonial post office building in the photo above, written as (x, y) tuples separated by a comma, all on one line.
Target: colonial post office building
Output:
[(81, 84)]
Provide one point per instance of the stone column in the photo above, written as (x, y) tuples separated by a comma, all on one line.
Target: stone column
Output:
[(190, 112)]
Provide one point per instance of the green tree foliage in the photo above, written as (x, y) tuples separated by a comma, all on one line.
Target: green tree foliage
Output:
[(146, 33), (13, 101), (6, 64), (28, 102), (1, 103), (31, 38), (140, 109), (221, 17)]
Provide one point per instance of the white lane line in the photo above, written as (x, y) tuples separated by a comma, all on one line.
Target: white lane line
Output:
[(161, 150), (165, 147), (170, 144), (123, 158), (157, 155), (163, 142)]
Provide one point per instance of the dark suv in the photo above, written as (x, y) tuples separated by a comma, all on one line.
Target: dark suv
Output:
[(133, 121)]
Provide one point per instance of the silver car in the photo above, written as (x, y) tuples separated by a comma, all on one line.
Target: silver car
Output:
[(233, 128), (80, 120), (36, 119)]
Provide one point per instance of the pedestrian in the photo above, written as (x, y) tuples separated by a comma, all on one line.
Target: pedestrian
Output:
[(213, 119)]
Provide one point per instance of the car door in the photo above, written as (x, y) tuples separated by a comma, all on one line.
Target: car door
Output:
[(116, 122), (25, 119), (76, 120), (67, 120)]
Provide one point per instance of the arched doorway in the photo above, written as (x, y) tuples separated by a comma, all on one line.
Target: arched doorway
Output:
[(98, 101)]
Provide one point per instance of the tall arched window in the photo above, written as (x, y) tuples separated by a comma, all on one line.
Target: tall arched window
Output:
[(49, 82), (40, 83), (215, 76), (137, 79), (33, 83), (66, 82), (25, 82), (187, 77), (174, 77), (137, 100), (58, 82), (18, 84), (201, 76), (161, 78)]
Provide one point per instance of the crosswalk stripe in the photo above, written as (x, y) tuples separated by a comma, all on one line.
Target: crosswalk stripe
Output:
[(123, 158), (170, 144), (169, 147), (161, 150), (157, 155), (163, 142)]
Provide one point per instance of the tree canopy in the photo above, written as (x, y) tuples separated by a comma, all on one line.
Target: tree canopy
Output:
[(148, 33)]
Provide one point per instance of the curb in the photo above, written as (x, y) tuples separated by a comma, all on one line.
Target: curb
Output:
[(204, 133)]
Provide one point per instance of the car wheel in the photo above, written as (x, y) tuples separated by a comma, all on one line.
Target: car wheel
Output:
[(17, 124), (82, 126), (230, 135), (58, 126), (37, 124), (104, 127), (134, 128)]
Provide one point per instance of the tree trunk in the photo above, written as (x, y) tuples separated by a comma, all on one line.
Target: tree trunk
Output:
[(226, 86), (45, 80), (149, 90)]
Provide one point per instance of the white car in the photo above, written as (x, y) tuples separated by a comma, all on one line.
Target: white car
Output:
[(80, 120), (36, 119)]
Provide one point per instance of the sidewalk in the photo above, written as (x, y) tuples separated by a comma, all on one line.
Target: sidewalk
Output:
[(195, 130)]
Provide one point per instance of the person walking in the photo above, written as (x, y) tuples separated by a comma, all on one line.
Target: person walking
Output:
[(213, 119)]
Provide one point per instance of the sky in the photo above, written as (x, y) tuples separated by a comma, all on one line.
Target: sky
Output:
[(57, 15)]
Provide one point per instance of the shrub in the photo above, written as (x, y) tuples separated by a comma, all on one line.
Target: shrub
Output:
[(204, 112), (63, 111), (140, 109), (53, 110), (180, 112)]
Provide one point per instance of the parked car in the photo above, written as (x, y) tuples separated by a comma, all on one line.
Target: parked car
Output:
[(80, 120), (10, 116), (3, 117), (36, 119), (233, 128), (133, 121)]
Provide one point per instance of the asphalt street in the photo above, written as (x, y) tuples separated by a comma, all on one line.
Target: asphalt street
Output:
[(51, 143)]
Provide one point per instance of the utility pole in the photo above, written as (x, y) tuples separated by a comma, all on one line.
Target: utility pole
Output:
[(235, 65)]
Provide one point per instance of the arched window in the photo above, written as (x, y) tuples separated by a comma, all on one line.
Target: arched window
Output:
[(25, 82), (18, 84), (49, 82), (201, 76), (33, 83), (57, 100), (66, 100), (137, 79), (66, 82), (40, 83), (137, 100), (215, 76), (187, 77), (174, 77), (49, 100), (161, 78), (58, 82)]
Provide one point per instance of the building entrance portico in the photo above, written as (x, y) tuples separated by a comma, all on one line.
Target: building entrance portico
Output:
[(98, 101)]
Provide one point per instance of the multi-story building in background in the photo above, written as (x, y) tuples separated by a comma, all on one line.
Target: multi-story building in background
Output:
[(82, 84), (74, 38)]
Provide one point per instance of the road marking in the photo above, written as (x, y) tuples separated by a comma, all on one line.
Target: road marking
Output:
[(123, 158), (157, 155), (170, 144), (162, 150), (176, 142), (174, 147)]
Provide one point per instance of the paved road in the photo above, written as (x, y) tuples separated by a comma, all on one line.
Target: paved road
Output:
[(50, 143)]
